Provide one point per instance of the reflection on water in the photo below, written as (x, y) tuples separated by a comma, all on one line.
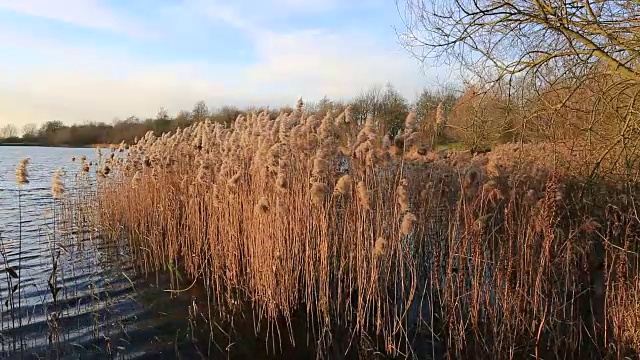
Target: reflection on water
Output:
[(69, 295)]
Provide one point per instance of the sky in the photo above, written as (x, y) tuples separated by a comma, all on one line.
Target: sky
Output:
[(96, 60)]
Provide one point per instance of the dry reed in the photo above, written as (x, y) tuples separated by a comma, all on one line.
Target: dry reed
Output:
[(57, 185), (22, 173), (487, 256)]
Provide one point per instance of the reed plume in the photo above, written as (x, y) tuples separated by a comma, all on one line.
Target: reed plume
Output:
[(487, 256), (343, 186), (408, 220), (440, 119), (403, 197), (363, 195), (263, 205), (380, 246), (318, 192), (22, 173), (410, 123), (57, 185)]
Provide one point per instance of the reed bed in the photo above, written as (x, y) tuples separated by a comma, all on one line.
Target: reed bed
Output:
[(45, 305), (502, 255)]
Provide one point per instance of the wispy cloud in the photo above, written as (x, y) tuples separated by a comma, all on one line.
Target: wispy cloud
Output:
[(266, 10), (230, 15), (84, 13), (47, 77), (319, 61), (339, 65)]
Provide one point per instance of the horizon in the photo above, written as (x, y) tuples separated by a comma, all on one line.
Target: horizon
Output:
[(97, 60)]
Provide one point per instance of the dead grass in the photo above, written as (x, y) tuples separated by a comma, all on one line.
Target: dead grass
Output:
[(509, 254)]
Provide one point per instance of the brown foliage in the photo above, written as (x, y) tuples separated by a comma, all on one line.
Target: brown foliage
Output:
[(490, 256)]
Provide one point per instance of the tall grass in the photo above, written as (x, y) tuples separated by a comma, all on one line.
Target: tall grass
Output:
[(43, 297), (503, 255)]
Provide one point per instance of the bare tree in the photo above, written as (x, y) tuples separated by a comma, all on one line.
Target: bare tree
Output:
[(183, 118), (544, 56), (367, 104), (497, 38), (200, 111), (387, 107), (8, 131), (30, 131), (162, 115)]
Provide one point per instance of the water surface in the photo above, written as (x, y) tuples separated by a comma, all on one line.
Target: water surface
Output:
[(66, 293), (74, 296)]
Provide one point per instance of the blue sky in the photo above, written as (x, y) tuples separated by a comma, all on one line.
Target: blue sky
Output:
[(78, 60)]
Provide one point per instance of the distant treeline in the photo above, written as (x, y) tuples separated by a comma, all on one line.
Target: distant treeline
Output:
[(474, 117), (384, 103), (56, 133)]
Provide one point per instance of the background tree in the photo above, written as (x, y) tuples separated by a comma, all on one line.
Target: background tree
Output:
[(48, 132), (394, 109), (325, 105), (494, 38), (200, 111), (387, 107), (435, 105), (183, 119), (226, 115), (30, 129), (481, 120), (51, 126), (8, 131), (30, 132), (162, 123), (322, 107), (366, 104), (571, 69)]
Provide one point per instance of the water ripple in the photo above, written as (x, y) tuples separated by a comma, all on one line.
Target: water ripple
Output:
[(94, 305)]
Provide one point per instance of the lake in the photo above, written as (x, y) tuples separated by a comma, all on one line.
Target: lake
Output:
[(69, 294), (75, 297)]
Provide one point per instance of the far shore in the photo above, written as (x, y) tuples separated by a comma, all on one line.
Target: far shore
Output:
[(89, 146)]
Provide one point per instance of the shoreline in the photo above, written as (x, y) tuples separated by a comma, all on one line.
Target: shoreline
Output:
[(89, 146)]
